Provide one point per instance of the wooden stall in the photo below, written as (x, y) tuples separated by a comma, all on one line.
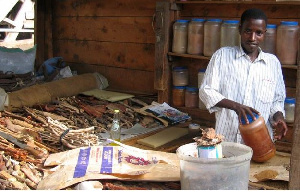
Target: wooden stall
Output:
[(129, 43)]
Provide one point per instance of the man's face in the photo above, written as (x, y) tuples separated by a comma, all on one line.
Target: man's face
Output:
[(252, 33)]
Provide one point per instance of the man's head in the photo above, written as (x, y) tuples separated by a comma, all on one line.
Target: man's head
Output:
[(252, 30)]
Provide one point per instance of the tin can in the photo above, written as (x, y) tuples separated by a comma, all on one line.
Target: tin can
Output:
[(213, 151)]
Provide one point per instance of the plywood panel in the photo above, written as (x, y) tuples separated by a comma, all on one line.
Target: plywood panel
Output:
[(104, 8), (114, 29), (127, 80), (124, 55)]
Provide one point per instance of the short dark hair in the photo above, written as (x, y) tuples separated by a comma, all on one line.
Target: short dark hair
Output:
[(253, 13)]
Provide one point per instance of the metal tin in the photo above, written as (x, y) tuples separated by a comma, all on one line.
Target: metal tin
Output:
[(214, 151)]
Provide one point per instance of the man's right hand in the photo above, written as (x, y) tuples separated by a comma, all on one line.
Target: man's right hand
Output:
[(240, 109)]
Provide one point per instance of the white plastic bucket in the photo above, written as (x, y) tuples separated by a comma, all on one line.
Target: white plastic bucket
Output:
[(229, 173)]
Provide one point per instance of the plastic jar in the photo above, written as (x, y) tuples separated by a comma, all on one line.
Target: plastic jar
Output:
[(230, 35), (180, 75), (178, 95), (256, 136), (191, 97), (212, 35), (180, 30), (201, 73), (195, 36), (269, 43), (287, 40), (194, 128), (289, 107)]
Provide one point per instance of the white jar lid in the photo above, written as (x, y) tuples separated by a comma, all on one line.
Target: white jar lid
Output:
[(194, 126)]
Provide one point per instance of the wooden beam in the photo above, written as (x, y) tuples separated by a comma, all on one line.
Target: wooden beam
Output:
[(294, 175), (162, 30), (39, 29), (48, 30)]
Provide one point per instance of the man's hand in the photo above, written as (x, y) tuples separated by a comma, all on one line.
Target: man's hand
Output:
[(279, 125), (241, 110)]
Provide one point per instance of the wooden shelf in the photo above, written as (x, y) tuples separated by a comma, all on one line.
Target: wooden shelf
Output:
[(189, 56), (241, 2), (208, 58)]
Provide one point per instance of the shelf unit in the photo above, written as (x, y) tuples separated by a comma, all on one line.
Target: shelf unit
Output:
[(168, 12)]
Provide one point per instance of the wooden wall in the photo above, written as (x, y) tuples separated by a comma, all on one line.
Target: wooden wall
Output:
[(114, 38)]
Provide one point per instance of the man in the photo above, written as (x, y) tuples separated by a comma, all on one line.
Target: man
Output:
[(244, 80)]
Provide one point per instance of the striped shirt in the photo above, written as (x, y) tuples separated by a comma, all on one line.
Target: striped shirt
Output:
[(259, 84)]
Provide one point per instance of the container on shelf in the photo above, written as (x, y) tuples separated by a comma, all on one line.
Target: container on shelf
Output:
[(287, 42), (269, 43), (180, 75), (289, 107), (180, 31), (178, 96), (195, 36), (212, 36), (215, 173), (201, 73), (256, 135), (230, 35), (194, 128), (191, 97)]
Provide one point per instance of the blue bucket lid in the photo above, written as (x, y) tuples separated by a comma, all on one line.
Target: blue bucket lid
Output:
[(249, 117), (192, 89), (214, 20), (290, 100), (292, 23), (179, 87), (198, 19), (179, 68), (231, 21), (182, 21), (273, 26)]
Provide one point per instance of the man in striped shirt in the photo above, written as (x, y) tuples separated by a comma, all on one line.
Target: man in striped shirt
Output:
[(244, 80)]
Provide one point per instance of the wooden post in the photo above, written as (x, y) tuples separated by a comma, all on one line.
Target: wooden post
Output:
[(162, 33), (294, 175), (39, 32)]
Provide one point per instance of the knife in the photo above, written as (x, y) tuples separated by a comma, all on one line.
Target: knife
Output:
[(33, 151)]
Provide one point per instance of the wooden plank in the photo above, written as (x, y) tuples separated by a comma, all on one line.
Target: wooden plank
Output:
[(104, 8), (120, 79), (48, 30), (39, 29), (162, 30), (137, 29), (123, 55), (235, 10), (294, 175)]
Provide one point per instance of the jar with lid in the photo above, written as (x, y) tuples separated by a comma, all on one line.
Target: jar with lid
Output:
[(286, 42), (256, 135), (191, 97), (180, 75), (212, 35), (230, 35), (201, 73), (180, 30), (195, 36), (178, 96), (289, 108), (269, 43)]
